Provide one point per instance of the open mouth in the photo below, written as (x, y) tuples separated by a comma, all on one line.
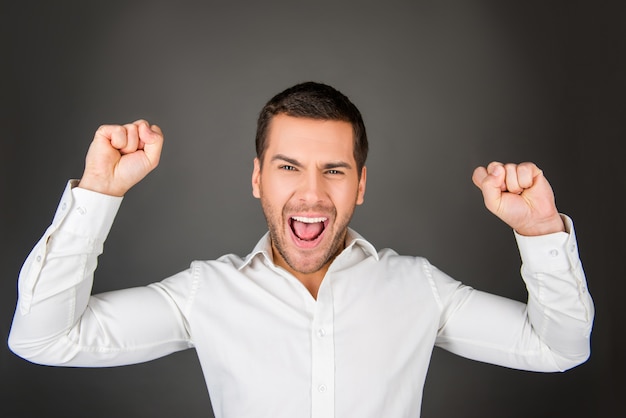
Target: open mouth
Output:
[(307, 229)]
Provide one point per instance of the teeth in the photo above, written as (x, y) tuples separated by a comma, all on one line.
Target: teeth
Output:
[(308, 220)]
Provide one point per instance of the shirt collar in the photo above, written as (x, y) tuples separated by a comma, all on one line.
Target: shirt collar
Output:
[(264, 247)]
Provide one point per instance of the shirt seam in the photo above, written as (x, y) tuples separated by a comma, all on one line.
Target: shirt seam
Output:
[(426, 268)]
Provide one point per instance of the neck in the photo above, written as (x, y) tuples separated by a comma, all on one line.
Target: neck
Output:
[(311, 281)]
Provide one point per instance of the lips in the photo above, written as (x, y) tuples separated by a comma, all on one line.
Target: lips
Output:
[(307, 229)]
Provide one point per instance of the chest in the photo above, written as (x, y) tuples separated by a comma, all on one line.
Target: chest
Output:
[(365, 326)]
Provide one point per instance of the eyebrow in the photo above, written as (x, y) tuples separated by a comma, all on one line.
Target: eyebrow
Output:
[(286, 159), (327, 166)]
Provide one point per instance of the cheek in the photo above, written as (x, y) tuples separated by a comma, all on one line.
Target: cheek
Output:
[(275, 192), (345, 198)]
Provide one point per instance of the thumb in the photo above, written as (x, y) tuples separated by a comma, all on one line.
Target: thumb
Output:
[(491, 181), (151, 138), (478, 176)]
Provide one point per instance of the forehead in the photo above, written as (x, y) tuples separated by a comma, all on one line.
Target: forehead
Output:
[(310, 137)]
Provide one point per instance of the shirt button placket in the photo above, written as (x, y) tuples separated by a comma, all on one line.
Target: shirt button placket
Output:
[(323, 356)]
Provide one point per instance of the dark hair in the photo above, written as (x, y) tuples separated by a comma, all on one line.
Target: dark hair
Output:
[(315, 101)]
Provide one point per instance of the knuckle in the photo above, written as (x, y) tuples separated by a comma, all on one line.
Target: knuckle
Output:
[(103, 129), (117, 129), (110, 131)]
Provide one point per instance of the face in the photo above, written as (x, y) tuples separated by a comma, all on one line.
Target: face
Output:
[(309, 186)]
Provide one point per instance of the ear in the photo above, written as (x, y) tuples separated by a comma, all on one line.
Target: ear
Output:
[(360, 197), (256, 179)]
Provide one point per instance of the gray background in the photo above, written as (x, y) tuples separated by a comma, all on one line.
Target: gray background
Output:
[(443, 86)]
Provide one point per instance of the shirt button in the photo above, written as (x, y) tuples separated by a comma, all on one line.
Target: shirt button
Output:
[(322, 388), (321, 332), (38, 259), (81, 210), (554, 253), (64, 206)]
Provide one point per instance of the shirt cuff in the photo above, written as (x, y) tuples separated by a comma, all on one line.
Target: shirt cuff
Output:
[(86, 213), (550, 252)]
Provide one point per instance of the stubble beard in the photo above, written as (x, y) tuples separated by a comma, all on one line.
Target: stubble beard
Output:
[(276, 225)]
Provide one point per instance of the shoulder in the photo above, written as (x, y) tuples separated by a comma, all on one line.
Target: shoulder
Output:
[(226, 265), (202, 270), (418, 271), (404, 264)]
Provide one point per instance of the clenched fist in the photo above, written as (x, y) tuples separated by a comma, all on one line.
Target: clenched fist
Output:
[(120, 156), (521, 196)]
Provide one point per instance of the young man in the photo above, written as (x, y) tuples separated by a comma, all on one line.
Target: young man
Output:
[(314, 322)]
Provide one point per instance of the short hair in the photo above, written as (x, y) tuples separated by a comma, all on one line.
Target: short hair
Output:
[(316, 101)]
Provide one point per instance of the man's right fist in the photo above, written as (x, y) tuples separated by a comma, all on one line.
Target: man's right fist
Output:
[(120, 156)]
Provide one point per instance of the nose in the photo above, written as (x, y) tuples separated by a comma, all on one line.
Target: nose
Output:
[(312, 189)]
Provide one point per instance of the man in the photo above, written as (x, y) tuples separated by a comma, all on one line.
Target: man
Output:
[(314, 322)]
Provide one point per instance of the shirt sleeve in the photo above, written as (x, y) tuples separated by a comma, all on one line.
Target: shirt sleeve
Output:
[(59, 322), (551, 332)]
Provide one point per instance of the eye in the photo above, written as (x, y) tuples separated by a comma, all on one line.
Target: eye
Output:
[(287, 167), (334, 172)]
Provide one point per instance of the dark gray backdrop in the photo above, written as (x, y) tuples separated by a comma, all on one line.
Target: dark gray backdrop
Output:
[(443, 86)]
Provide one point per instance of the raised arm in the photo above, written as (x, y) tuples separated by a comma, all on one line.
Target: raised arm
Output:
[(57, 320), (551, 332)]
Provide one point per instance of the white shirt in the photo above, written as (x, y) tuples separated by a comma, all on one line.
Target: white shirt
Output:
[(268, 348)]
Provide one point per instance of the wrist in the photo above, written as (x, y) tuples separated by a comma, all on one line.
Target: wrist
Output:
[(550, 226), (100, 186)]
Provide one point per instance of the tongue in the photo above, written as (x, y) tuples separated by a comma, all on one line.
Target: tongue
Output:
[(307, 231)]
